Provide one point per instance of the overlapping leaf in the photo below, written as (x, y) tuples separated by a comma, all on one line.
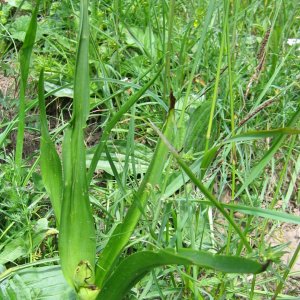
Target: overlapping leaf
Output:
[(136, 266)]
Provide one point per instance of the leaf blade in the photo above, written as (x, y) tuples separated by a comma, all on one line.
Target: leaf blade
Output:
[(260, 134), (77, 241), (51, 168), (136, 266), (25, 55)]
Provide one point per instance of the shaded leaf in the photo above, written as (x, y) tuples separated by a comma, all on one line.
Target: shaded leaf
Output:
[(20, 246)]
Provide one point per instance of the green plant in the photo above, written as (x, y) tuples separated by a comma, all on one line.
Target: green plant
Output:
[(163, 212), (69, 195)]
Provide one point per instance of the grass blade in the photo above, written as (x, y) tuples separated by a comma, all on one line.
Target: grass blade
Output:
[(260, 212), (261, 134), (25, 55), (207, 22), (286, 273), (200, 164)]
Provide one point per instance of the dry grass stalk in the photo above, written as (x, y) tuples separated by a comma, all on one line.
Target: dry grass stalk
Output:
[(261, 57)]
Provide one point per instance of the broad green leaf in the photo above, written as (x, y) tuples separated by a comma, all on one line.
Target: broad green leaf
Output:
[(34, 283), (20, 24), (77, 242), (19, 4), (18, 28), (59, 91), (14, 250), (123, 231), (258, 168), (50, 162), (139, 38), (261, 134), (135, 267)]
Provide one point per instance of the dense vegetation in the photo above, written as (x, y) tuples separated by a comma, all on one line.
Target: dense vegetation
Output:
[(149, 149)]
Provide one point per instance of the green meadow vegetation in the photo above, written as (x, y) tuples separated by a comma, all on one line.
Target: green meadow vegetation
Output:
[(149, 149)]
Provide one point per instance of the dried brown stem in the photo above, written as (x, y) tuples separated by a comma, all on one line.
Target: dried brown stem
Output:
[(261, 56), (257, 110)]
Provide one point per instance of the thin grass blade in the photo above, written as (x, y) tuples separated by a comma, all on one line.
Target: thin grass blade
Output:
[(25, 55), (262, 134), (260, 212)]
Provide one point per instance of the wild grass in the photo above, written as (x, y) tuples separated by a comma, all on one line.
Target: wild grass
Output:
[(223, 183)]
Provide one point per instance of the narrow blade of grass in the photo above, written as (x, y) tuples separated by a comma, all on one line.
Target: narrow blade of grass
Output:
[(262, 134), (286, 273), (260, 212), (200, 164), (25, 55)]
